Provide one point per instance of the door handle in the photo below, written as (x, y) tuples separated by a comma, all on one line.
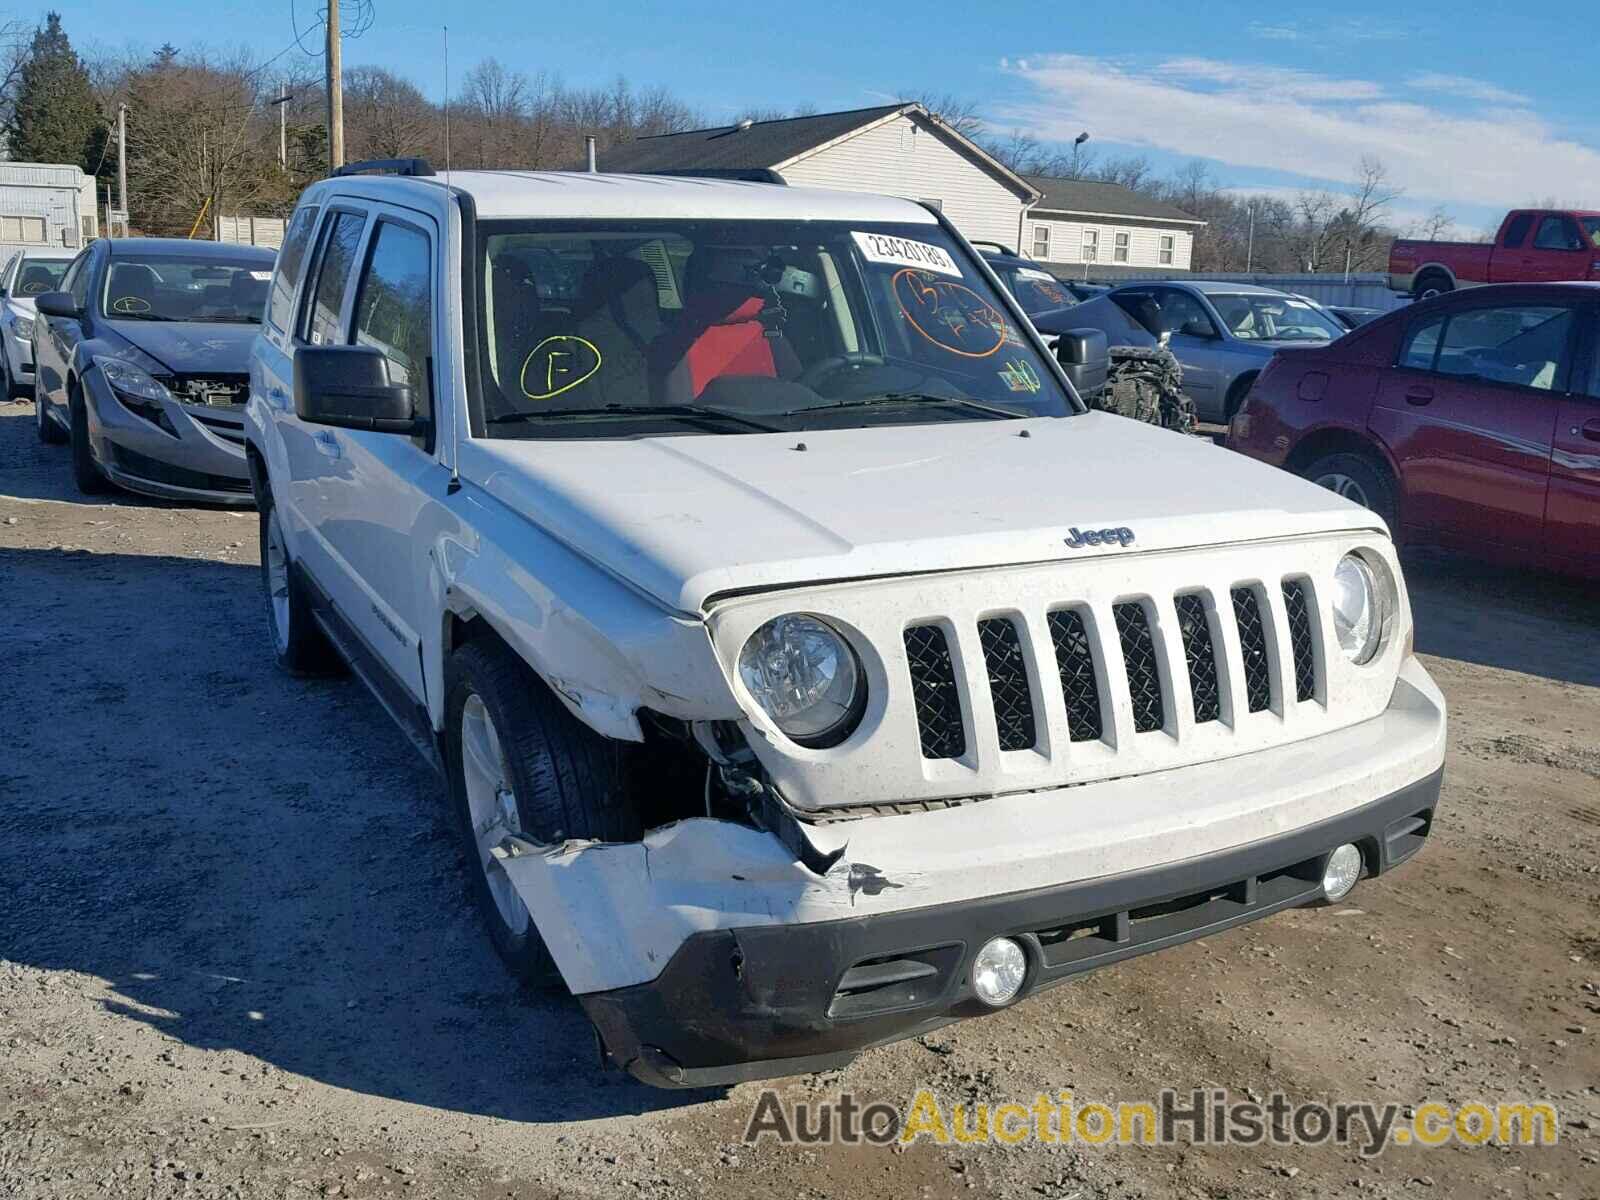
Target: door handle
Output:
[(328, 445), (1417, 394), (1591, 430)]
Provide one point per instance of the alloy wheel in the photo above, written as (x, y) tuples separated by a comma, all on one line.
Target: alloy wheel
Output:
[(491, 807)]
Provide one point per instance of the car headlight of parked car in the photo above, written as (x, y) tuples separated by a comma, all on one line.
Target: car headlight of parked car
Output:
[(806, 677), (137, 389), (1364, 602), (23, 327)]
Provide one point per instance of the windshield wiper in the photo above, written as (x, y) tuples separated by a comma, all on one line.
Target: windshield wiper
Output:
[(887, 398), (633, 410), (123, 316)]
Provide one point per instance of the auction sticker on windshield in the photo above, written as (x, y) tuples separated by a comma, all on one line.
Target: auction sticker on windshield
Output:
[(903, 252)]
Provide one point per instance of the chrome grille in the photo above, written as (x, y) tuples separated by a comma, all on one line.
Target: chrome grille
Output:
[(1253, 646), (1201, 656), (1301, 642), (934, 691), (1144, 673), (1075, 665), (1008, 683)]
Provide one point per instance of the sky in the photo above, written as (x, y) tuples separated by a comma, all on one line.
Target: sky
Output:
[(1465, 109)]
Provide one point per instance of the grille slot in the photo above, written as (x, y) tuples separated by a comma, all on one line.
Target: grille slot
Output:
[(1075, 664), (1200, 653), (1008, 683), (1253, 645), (1300, 640), (1144, 675), (934, 692)]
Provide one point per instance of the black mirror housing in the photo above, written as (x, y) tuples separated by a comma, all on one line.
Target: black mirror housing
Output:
[(57, 304), (348, 387), (1084, 356)]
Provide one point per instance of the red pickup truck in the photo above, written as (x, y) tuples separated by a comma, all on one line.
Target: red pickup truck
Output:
[(1534, 245)]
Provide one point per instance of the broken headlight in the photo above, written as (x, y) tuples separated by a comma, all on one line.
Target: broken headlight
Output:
[(136, 390), (805, 676)]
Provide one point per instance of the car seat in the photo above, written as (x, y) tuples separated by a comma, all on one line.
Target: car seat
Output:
[(720, 332), (132, 290), (35, 280)]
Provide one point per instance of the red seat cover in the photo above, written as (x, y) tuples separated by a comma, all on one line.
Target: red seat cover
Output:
[(735, 345)]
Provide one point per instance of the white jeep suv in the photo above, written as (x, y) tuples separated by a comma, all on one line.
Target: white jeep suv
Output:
[(807, 666)]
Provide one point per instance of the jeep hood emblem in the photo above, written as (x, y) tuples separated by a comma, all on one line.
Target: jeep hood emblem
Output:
[(1121, 535)]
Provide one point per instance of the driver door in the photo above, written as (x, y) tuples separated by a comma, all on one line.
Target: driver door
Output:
[(1197, 342)]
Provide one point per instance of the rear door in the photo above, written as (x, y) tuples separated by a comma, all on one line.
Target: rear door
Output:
[(1572, 513), (1469, 413)]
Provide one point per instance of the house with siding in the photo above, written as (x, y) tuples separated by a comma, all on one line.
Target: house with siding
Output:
[(46, 205), (898, 149), (1081, 226)]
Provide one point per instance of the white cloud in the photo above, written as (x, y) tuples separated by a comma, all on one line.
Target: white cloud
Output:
[(1274, 33), (1310, 126), (1466, 88)]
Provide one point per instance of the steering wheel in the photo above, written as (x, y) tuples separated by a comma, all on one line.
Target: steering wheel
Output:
[(855, 360)]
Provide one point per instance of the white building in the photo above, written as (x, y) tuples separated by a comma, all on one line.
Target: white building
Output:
[(46, 204), (1079, 223), (898, 149)]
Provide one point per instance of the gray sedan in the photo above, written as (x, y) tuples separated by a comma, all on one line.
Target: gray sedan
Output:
[(1223, 333)]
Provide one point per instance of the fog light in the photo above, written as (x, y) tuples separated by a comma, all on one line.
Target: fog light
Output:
[(1341, 873), (998, 971)]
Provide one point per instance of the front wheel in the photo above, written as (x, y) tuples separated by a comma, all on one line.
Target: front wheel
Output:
[(49, 432), (522, 769), (1360, 480), (85, 471)]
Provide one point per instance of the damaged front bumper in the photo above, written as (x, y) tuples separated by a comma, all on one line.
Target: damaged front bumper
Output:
[(709, 954)]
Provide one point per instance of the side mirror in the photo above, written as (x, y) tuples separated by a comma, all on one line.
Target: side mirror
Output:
[(348, 387), (1077, 347), (57, 304)]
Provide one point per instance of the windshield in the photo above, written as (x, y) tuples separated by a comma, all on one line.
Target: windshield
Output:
[(1591, 230), (1037, 291), (159, 287), (642, 328), (1274, 318), (35, 276)]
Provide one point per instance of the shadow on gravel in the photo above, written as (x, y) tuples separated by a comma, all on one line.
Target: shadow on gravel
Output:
[(252, 863), (1525, 621)]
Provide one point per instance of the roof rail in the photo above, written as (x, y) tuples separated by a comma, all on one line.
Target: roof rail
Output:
[(1000, 246), (390, 166), (744, 174)]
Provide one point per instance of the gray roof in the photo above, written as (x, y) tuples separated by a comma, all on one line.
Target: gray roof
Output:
[(730, 148), (1107, 199)]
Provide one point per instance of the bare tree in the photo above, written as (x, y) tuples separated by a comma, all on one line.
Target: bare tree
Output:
[(385, 116), (954, 111)]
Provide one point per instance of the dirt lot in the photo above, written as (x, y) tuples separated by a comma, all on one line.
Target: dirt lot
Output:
[(236, 958)]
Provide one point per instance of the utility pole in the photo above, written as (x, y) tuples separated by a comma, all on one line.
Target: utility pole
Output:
[(1250, 246), (282, 105), (122, 160), (335, 91)]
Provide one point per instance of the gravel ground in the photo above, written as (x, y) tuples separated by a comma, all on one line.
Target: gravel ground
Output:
[(236, 958)]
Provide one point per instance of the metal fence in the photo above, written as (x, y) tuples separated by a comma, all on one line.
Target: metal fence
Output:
[(251, 231), (1367, 290)]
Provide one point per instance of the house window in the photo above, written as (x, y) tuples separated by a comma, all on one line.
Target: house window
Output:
[(1167, 241), (29, 230), (1091, 244), (1119, 249), (1041, 241)]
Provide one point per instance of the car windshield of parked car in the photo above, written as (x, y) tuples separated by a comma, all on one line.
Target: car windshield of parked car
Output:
[(643, 328), (1038, 291), (169, 287), (35, 276), (1273, 318)]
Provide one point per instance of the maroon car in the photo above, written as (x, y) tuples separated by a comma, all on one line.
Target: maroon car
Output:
[(1470, 422)]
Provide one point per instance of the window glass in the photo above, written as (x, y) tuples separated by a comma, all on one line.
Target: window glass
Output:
[(1038, 291), (1524, 345), (1556, 233), (1421, 345), (290, 259), (1167, 243), (1265, 317), (1091, 244), (77, 279), (1120, 248), (338, 258), (226, 287), (1517, 231), (36, 276), (394, 308), (1591, 230), (1041, 241), (589, 327), (1182, 313)]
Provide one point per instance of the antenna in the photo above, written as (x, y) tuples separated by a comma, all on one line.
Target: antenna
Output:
[(454, 485)]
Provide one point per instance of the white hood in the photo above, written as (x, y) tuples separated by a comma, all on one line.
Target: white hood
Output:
[(687, 518)]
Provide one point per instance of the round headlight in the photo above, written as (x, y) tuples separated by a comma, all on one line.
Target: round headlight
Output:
[(1341, 873), (807, 678), (1358, 609), (999, 971)]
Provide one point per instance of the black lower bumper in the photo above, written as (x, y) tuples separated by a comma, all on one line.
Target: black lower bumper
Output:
[(764, 1001)]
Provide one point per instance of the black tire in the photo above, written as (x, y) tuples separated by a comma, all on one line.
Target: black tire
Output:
[(85, 471), (1430, 284), (1236, 394), (567, 780), (1364, 481), (49, 432), (298, 642)]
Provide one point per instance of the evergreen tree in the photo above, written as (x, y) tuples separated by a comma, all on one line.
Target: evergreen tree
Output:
[(56, 116)]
